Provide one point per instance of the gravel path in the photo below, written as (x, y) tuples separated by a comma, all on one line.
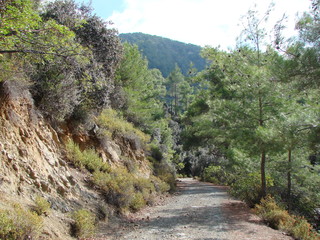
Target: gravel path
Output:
[(199, 211)]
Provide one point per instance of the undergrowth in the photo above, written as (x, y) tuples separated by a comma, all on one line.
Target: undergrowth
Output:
[(278, 218), (88, 158), (127, 191), (19, 224), (247, 187), (42, 206), (84, 224), (121, 186), (214, 174), (113, 123)]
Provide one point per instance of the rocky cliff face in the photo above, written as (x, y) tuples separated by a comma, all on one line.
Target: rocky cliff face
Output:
[(32, 162)]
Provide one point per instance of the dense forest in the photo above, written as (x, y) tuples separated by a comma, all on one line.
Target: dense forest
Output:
[(249, 120), (164, 54)]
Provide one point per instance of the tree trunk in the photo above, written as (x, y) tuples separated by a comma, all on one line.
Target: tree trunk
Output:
[(263, 175), (175, 100), (289, 179), (263, 156)]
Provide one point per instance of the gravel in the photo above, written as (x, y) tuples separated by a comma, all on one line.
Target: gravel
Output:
[(199, 211)]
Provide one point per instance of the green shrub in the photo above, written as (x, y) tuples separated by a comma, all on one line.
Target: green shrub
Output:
[(159, 185), (87, 158), (214, 174), (84, 223), (141, 184), (247, 187), (19, 224), (126, 191), (117, 185), (137, 202), (6, 225), (165, 173), (112, 122), (74, 153), (130, 164), (42, 206), (146, 188)]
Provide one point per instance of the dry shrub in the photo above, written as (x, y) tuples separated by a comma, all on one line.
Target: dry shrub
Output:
[(279, 218), (301, 229), (19, 224), (272, 214)]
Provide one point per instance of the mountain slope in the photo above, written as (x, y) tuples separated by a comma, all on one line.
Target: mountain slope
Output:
[(163, 53)]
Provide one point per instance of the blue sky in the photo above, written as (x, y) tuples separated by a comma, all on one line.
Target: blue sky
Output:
[(105, 8), (200, 22)]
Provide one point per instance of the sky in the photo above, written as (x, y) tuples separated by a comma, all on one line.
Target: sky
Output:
[(200, 22)]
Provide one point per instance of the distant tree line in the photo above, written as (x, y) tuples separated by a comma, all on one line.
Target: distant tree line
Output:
[(164, 54)]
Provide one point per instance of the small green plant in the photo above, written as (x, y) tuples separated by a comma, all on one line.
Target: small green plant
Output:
[(19, 223), (87, 158), (112, 122), (126, 191), (84, 223), (118, 186), (6, 225), (159, 185), (42, 206), (137, 202)]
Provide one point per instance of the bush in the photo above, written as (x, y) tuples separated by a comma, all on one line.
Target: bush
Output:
[(159, 185), (19, 224), (111, 121), (301, 229), (146, 188), (118, 187), (165, 173), (126, 191), (271, 213), (42, 206), (278, 218), (247, 187), (214, 174), (84, 223), (6, 225), (87, 158), (137, 202)]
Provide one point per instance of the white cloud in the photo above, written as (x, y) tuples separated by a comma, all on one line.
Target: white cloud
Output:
[(201, 22)]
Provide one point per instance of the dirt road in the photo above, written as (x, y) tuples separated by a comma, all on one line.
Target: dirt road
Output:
[(199, 211)]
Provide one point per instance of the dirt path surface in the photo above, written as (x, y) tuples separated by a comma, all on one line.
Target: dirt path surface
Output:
[(199, 211)]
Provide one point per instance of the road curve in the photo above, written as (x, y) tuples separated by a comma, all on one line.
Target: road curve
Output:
[(199, 211)]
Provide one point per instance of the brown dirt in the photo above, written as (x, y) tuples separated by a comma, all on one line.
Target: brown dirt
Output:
[(199, 211)]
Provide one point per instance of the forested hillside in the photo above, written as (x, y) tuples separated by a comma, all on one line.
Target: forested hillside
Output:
[(163, 53), (91, 129)]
